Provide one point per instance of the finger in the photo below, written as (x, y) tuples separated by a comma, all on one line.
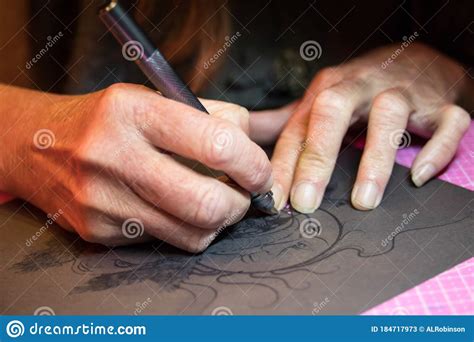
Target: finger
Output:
[(181, 234), (231, 112), (194, 198), (291, 142), (212, 141), (453, 123), (285, 156), (139, 221), (267, 125), (329, 120), (149, 224), (387, 121), (171, 230)]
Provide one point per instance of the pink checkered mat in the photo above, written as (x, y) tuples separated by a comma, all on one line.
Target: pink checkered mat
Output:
[(450, 292)]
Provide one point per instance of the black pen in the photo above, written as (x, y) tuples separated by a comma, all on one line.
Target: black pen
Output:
[(136, 46)]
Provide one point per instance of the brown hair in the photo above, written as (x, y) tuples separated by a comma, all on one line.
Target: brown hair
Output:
[(188, 33)]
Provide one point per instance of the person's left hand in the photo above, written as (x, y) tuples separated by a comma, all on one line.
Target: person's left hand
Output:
[(417, 91)]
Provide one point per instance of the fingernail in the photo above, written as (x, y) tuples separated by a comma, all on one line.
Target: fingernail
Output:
[(422, 174), (306, 198), (278, 196), (366, 195)]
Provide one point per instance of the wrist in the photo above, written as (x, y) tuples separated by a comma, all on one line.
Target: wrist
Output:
[(21, 112)]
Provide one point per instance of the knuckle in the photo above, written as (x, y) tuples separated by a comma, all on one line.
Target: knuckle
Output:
[(293, 131), (224, 109), (108, 101), (97, 235), (377, 159), (243, 116), (376, 165), (210, 207), (283, 168), (220, 144), (312, 162), (242, 112), (330, 101), (459, 116), (446, 146), (328, 74), (236, 114), (119, 100), (113, 92), (389, 101)]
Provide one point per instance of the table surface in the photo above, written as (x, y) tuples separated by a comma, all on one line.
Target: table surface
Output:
[(451, 292)]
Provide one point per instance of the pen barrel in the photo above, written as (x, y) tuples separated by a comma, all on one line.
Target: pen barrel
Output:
[(163, 77), (137, 47)]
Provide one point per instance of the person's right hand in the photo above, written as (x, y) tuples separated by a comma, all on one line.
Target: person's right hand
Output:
[(102, 161)]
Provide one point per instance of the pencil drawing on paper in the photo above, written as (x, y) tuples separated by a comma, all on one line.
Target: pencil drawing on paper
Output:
[(259, 252)]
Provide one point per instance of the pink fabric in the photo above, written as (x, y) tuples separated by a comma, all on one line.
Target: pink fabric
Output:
[(451, 292)]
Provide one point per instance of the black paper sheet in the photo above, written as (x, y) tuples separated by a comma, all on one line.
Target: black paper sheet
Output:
[(335, 261)]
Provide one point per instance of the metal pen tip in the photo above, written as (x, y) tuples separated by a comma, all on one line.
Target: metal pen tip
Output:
[(273, 211), (264, 203)]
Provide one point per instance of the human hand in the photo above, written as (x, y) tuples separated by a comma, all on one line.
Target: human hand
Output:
[(417, 92), (101, 159)]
